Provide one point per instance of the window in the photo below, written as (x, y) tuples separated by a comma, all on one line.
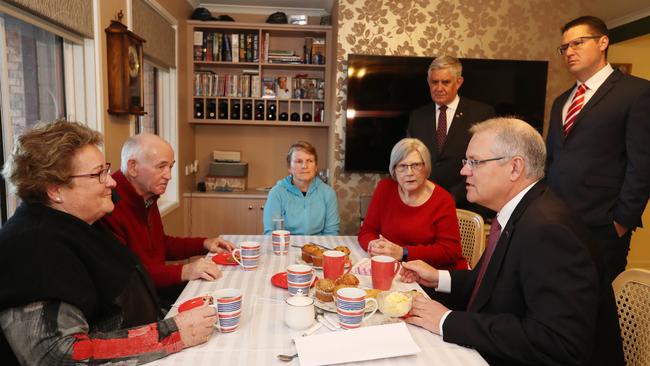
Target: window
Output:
[(43, 77), (149, 122)]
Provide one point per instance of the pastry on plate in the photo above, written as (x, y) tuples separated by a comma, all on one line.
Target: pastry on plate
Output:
[(317, 257), (324, 288), (307, 250), (347, 279)]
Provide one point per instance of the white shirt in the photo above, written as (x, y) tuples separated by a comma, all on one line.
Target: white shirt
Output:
[(593, 83), (444, 278), (451, 112)]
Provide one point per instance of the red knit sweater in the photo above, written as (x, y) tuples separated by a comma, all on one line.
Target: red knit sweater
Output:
[(141, 229), (429, 231)]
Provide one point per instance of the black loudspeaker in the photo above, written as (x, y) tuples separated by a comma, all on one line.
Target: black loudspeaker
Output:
[(248, 111), (211, 109), (223, 110), (235, 111), (259, 111), (198, 109)]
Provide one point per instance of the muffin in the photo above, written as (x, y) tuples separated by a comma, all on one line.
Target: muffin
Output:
[(317, 257), (348, 279), (307, 250), (324, 289)]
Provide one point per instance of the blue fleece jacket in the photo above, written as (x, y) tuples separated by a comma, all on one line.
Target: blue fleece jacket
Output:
[(314, 214)]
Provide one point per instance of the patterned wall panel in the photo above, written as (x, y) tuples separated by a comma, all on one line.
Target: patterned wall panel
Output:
[(494, 29), (76, 15), (159, 34)]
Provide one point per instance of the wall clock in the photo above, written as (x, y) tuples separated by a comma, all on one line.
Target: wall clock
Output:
[(125, 79)]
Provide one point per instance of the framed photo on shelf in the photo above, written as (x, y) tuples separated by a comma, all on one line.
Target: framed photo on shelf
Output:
[(283, 87), (268, 87)]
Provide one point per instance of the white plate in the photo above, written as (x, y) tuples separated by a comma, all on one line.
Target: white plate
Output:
[(331, 306)]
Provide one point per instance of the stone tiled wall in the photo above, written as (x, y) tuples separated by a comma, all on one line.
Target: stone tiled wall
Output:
[(495, 29)]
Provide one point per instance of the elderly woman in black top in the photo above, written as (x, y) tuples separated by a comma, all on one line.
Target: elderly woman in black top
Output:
[(72, 292)]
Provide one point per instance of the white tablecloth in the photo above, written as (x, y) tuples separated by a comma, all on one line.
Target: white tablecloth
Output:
[(262, 333)]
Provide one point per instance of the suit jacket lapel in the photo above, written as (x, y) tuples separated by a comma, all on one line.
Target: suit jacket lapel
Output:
[(600, 93), (494, 267), (458, 123)]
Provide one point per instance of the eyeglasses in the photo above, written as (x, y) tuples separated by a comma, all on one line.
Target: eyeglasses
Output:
[(575, 44), (416, 167), (473, 164), (101, 175)]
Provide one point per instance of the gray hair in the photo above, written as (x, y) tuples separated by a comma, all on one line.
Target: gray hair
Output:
[(406, 146), (514, 137), (446, 62), (135, 149)]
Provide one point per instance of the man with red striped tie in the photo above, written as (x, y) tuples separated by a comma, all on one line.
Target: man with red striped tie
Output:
[(599, 142)]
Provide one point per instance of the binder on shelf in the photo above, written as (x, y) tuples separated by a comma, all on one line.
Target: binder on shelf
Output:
[(235, 47)]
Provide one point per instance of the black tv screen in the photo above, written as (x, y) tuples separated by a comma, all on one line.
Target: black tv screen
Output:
[(382, 90)]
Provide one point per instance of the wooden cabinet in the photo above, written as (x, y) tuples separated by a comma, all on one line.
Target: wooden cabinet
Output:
[(211, 214), (260, 74)]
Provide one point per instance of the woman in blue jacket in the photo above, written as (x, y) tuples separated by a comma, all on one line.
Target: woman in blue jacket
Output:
[(307, 205)]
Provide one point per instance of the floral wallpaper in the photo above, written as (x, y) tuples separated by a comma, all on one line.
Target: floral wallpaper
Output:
[(497, 29)]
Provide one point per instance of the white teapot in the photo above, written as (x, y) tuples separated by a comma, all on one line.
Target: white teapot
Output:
[(299, 312)]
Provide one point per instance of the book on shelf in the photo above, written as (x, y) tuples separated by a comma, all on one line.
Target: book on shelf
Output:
[(234, 47), (255, 86), (268, 87), (256, 50), (242, 47), (198, 46), (309, 42), (226, 50), (318, 51), (283, 87), (267, 40)]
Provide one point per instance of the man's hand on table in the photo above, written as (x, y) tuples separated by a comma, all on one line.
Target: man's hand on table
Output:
[(196, 325), (200, 268), (218, 245), (426, 313)]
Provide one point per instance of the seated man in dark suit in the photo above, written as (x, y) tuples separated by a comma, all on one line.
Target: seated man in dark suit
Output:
[(539, 294), (446, 134)]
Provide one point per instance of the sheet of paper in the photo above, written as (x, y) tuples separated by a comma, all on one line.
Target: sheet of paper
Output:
[(365, 343)]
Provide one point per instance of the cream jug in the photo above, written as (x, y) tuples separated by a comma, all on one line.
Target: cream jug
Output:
[(299, 312)]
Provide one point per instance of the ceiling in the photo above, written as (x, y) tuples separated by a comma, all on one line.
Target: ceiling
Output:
[(614, 13)]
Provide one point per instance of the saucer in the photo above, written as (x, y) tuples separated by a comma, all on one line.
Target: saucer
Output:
[(191, 304), (280, 280), (225, 259)]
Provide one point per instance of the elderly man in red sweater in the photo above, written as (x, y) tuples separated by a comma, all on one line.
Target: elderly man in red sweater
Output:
[(147, 161)]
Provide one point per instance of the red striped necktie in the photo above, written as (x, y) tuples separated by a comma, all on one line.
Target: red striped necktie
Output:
[(575, 108)]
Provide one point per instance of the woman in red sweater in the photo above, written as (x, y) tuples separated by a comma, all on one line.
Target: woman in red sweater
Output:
[(410, 217)]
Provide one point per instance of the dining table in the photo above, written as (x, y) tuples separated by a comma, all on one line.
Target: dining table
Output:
[(262, 333)]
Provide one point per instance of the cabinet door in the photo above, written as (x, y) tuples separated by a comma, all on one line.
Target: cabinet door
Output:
[(259, 205), (211, 216)]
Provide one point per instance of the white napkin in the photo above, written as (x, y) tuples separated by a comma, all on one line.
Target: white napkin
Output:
[(365, 343), (362, 267)]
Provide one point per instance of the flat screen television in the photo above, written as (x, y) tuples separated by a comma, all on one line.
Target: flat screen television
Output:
[(382, 90)]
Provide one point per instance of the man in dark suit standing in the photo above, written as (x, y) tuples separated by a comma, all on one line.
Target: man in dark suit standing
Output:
[(599, 142), (446, 134), (538, 295)]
